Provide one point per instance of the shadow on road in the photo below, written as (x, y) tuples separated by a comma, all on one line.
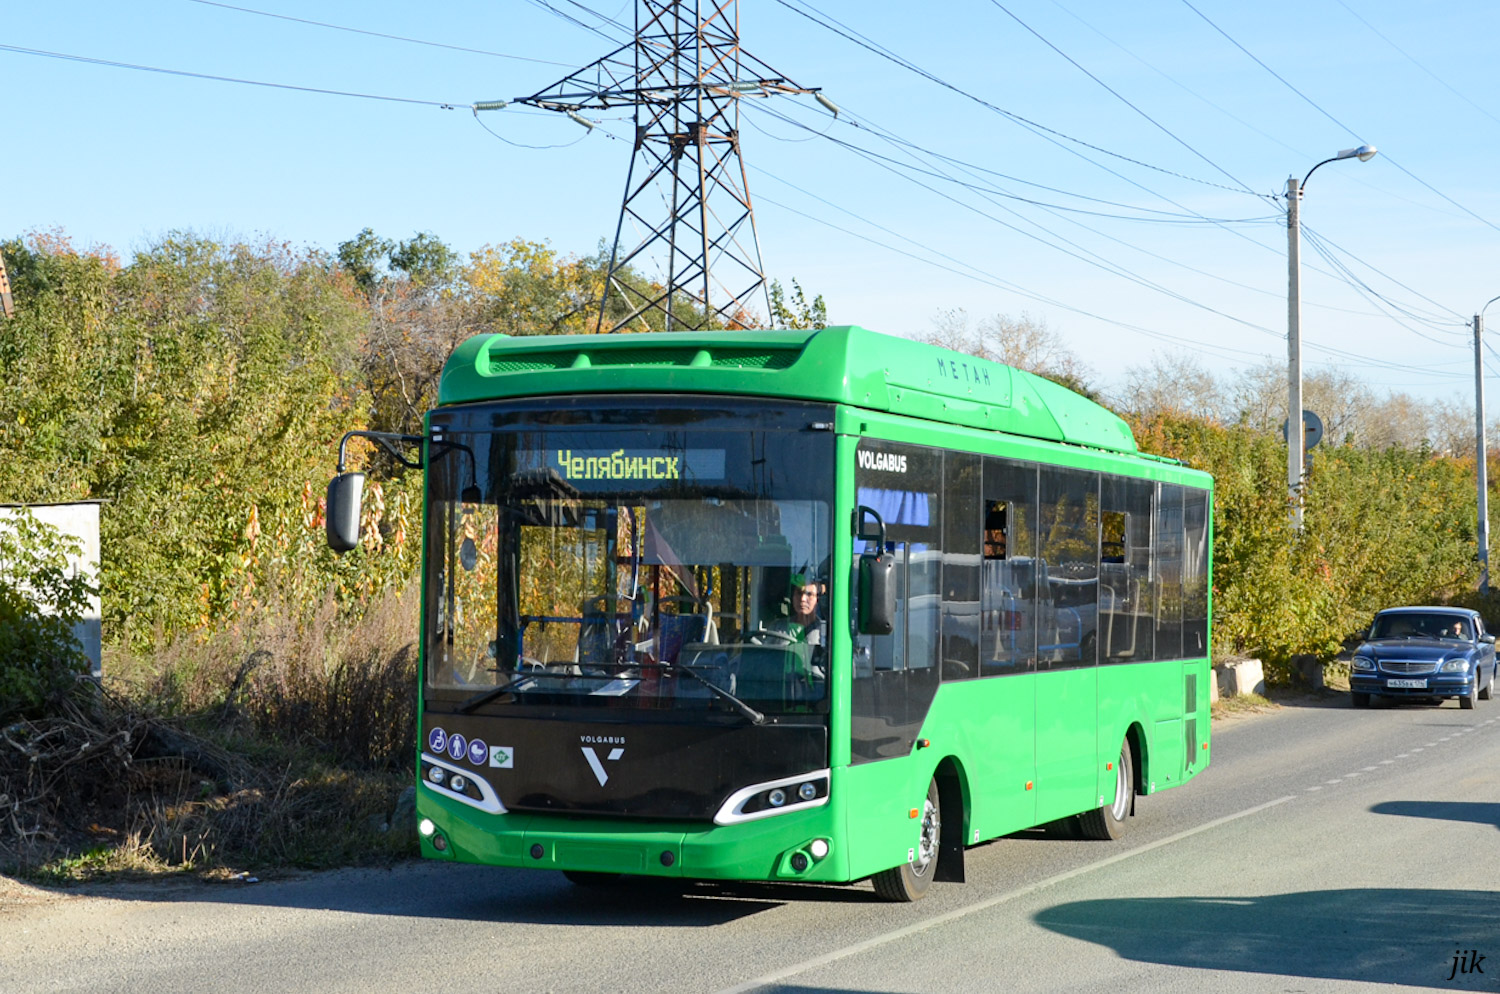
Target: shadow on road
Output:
[(491, 894), (1478, 812), (1369, 936), (1300, 698)]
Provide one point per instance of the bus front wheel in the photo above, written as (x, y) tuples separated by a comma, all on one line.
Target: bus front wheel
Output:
[(910, 880), (1108, 820)]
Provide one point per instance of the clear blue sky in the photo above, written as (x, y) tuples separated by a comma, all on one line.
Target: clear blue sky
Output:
[(119, 156)]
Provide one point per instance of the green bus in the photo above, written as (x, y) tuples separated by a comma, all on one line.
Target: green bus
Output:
[(812, 606)]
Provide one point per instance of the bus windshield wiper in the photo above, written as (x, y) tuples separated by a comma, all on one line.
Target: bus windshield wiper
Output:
[(485, 696), (749, 712)]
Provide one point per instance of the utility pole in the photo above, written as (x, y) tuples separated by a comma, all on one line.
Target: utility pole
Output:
[(7, 306), (686, 195), (1295, 433), (1481, 455), (1294, 350)]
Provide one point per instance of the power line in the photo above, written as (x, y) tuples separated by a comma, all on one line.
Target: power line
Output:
[(1369, 294), (374, 34), (1113, 267), (1168, 217), (517, 144), (1314, 104), (981, 275), (1387, 276), (443, 104), (1345, 357), (831, 24), (1121, 97), (544, 5), (1444, 83)]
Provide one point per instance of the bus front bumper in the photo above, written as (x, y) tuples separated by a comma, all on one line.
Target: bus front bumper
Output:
[(797, 845)]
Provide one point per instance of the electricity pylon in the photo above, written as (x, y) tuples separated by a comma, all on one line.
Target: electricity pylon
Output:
[(686, 191)]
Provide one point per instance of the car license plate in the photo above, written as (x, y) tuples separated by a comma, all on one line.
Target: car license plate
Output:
[(1407, 684)]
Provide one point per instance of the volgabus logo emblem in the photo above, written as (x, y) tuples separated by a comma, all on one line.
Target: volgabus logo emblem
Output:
[(592, 752)]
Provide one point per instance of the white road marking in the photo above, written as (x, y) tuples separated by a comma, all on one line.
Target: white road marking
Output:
[(913, 929)]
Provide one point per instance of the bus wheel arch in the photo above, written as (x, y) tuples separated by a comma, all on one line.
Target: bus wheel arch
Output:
[(1135, 736), (953, 793)]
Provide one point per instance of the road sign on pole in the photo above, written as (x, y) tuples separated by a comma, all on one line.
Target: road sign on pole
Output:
[(1312, 430)]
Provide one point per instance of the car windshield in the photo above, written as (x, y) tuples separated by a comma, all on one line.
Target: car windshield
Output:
[(645, 569), (1421, 625)]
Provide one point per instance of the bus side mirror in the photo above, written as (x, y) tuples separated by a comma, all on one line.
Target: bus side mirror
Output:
[(877, 593), (342, 511), (877, 577)]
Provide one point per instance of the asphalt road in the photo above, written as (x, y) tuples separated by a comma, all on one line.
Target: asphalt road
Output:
[(1326, 849)]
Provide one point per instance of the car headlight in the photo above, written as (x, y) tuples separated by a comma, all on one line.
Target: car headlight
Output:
[(1363, 663), (1455, 666)]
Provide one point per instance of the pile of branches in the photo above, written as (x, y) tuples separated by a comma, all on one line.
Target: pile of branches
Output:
[(97, 774)]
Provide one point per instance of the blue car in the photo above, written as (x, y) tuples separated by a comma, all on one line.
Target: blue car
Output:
[(1426, 652)]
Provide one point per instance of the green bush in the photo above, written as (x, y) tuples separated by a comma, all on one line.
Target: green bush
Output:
[(1381, 527), (41, 600)]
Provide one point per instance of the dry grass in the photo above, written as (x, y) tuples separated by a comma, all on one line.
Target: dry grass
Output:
[(1241, 704), (283, 741)]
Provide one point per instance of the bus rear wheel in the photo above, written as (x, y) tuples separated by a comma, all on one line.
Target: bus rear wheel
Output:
[(1108, 820), (909, 881)]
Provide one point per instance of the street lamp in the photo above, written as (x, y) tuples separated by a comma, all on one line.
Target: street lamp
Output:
[(1294, 430), (1481, 453)]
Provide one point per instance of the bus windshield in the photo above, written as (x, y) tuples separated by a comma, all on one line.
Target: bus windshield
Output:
[(641, 568)]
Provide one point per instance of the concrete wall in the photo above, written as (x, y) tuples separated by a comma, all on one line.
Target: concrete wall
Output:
[(82, 522)]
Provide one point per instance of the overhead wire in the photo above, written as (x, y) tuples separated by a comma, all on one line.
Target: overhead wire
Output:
[(516, 144), (1412, 59), (990, 279), (1314, 104), (983, 191), (1391, 310), (443, 104), (1122, 98), (1241, 121), (1051, 134), (606, 18), (1075, 251), (375, 34), (1086, 255), (913, 147), (1168, 218), (592, 29), (1435, 303), (1346, 357)]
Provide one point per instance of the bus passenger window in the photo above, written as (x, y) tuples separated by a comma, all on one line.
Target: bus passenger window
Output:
[(996, 518)]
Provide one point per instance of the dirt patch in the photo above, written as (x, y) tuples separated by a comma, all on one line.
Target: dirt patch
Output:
[(16, 895)]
